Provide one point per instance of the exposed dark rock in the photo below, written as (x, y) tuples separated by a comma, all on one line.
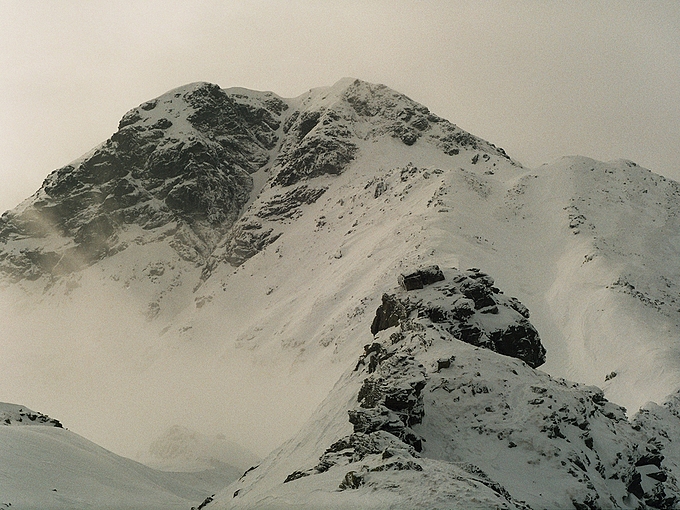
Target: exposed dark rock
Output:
[(205, 503), (431, 274), (521, 341), (460, 307), (411, 281), (478, 292), (247, 239), (323, 146), (390, 398), (634, 485), (388, 314), (23, 416), (519, 307), (454, 139), (380, 188), (650, 459), (146, 175), (295, 475), (352, 480), (357, 446), (660, 476), (443, 363), (259, 228), (288, 205), (373, 355), (420, 278)]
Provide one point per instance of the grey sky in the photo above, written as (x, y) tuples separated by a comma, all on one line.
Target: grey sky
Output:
[(540, 79)]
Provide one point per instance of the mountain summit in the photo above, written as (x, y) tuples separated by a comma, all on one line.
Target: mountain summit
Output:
[(183, 166), (334, 268)]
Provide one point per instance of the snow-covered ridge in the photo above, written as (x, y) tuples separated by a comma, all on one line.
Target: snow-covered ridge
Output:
[(43, 465), (439, 424), (13, 414), (185, 165)]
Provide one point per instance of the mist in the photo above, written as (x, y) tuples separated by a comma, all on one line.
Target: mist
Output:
[(94, 361)]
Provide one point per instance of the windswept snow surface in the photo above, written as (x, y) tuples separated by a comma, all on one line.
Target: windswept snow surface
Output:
[(43, 466)]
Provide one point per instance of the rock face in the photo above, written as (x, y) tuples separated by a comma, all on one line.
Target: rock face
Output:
[(391, 400), (420, 278), (430, 407), (181, 166), (467, 306), (322, 134), (183, 160)]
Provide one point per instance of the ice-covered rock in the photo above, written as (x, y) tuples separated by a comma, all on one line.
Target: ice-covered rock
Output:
[(427, 403), (182, 163), (467, 306)]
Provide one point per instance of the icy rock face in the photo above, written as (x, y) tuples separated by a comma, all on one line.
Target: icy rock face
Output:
[(391, 400), (469, 307), (322, 136), (249, 236), (317, 143), (382, 111), (13, 414), (203, 167), (431, 412), (183, 160)]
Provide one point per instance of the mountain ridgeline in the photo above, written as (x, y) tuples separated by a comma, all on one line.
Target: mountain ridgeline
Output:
[(319, 279), (181, 167)]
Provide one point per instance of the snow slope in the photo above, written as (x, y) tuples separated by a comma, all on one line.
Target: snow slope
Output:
[(45, 466)]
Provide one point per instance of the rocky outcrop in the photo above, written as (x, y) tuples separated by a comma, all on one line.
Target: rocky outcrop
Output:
[(183, 159), (321, 143), (13, 414), (420, 278), (425, 402), (467, 306), (390, 401), (389, 314)]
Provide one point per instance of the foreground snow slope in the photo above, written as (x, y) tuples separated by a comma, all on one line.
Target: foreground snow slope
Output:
[(426, 421), (45, 466), (224, 265)]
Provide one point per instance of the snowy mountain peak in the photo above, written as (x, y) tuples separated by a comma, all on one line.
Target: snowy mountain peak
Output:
[(13, 414), (179, 167), (183, 168)]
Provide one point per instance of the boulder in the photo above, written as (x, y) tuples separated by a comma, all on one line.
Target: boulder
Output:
[(388, 314), (418, 279)]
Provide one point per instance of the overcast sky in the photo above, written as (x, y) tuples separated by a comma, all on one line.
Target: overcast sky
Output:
[(540, 79)]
